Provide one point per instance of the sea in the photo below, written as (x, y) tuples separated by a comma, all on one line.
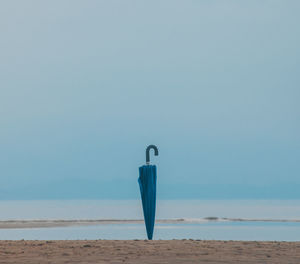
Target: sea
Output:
[(253, 220)]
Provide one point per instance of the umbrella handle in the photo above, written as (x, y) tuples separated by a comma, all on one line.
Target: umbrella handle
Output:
[(148, 153)]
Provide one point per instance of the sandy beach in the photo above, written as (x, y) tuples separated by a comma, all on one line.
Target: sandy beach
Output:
[(143, 251)]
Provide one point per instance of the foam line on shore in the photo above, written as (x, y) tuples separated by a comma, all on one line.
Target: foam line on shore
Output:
[(6, 224)]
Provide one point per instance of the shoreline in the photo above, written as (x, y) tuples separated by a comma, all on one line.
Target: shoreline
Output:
[(12, 224)]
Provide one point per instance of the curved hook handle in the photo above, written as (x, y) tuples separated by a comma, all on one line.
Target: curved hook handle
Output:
[(148, 152)]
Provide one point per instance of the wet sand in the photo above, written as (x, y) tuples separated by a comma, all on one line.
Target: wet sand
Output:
[(143, 251), (10, 224)]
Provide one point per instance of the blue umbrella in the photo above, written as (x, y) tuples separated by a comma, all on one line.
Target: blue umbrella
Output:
[(147, 182)]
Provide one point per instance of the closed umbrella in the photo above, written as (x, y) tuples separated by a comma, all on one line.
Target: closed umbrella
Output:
[(147, 182)]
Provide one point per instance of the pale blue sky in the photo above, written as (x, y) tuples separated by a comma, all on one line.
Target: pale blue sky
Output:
[(87, 85)]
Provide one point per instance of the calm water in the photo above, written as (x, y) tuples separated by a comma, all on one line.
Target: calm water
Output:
[(239, 224)]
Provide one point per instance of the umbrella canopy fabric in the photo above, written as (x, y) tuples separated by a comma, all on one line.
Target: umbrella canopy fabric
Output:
[(147, 182)]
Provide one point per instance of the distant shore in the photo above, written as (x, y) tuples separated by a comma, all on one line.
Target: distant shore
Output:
[(144, 251)]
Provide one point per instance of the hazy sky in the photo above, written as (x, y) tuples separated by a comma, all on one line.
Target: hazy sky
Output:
[(87, 85)]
